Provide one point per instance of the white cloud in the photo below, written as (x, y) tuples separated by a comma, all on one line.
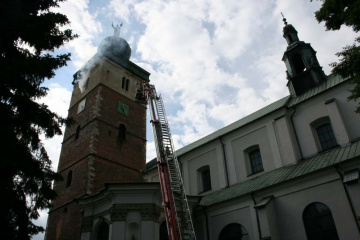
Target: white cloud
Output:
[(41, 221), (122, 8), (187, 56), (83, 23), (58, 100), (236, 24), (150, 151)]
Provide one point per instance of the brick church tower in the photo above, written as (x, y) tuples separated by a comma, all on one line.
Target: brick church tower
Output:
[(107, 143)]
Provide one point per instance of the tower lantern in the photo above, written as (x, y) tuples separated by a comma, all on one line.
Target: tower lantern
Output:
[(303, 69)]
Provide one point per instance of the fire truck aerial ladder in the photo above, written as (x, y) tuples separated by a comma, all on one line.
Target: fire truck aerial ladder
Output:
[(176, 207)]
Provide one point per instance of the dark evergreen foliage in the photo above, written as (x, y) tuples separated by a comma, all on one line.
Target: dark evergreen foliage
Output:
[(336, 13), (25, 171)]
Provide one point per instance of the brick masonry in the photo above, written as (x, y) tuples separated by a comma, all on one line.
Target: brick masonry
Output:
[(97, 156)]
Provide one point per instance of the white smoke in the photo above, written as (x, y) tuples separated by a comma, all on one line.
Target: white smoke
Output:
[(82, 76)]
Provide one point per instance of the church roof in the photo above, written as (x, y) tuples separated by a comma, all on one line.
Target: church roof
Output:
[(288, 101), (285, 174)]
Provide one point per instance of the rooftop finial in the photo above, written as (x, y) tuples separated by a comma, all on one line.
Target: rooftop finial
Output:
[(116, 29), (284, 19)]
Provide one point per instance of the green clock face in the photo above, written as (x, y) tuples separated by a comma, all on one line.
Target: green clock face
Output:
[(123, 108)]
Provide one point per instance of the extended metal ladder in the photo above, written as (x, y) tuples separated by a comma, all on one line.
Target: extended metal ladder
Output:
[(185, 223), (176, 207)]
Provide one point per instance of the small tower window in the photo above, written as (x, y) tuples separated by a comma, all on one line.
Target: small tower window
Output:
[(127, 84), (298, 63), (122, 134), (123, 83), (69, 178), (77, 133), (122, 131)]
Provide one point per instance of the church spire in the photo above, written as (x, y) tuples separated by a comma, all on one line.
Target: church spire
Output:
[(290, 33), (303, 69), (284, 19)]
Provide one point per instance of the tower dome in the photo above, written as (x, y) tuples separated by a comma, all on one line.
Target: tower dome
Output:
[(115, 46)]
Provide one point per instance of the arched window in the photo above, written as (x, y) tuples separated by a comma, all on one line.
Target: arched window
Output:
[(319, 223), (103, 232), (127, 85), (298, 63), (123, 83), (163, 231), (69, 178), (234, 231), (77, 133)]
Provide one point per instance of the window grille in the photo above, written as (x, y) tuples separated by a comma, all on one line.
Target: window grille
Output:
[(326, 136), (256, 161)]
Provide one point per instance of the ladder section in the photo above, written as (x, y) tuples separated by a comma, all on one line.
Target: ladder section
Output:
[(183, 215)]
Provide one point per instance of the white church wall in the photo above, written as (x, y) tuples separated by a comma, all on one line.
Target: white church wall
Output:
[(286, 208), (291, 199), (352, 187), (347, 108), (268, 135), (209, 159), (260, 138), (193, 162), (289, 152), (290, 209), (239, 211), (315, 108)]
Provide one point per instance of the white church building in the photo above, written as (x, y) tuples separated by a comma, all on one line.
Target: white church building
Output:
[(287, 171)]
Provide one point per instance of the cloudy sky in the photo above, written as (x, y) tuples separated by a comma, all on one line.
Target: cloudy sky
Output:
[(213, 61)]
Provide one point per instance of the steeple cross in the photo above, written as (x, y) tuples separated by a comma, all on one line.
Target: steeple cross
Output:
[(284, 19)]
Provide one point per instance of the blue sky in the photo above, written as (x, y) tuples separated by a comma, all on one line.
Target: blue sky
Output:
[(213, 61)]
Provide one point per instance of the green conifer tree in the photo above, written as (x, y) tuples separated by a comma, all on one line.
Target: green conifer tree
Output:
[(336, 13), (29, 32)]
